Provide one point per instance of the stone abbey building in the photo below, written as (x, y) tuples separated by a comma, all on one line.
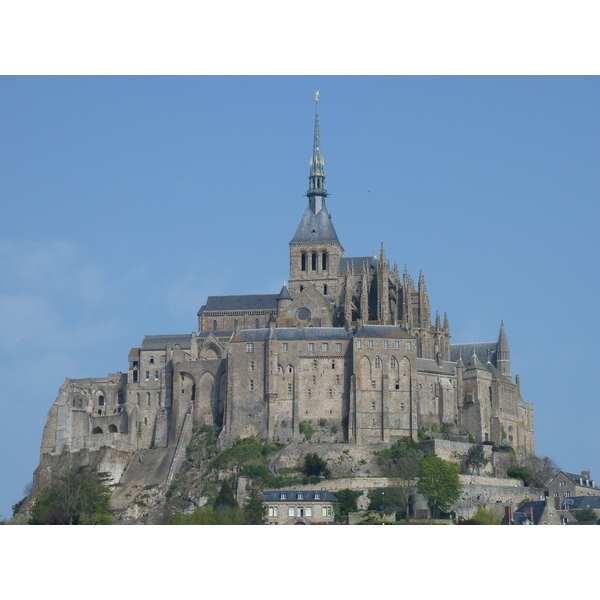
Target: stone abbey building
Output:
[(348, 344)]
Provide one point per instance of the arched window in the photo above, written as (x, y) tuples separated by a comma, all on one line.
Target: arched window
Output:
[(314, 261), (120, 398), (100, 400), (112, 429), (377, 362), (96, 430), (324, 261), (303, 261)]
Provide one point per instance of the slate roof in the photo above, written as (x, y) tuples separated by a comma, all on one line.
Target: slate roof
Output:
[(578, 480), (293, 333), (519, 515), (580, 502), (159, 342), (428, 364), (466, 351), (315, 227), (357, 262), (246, 302), (383, 331), (292, 495)]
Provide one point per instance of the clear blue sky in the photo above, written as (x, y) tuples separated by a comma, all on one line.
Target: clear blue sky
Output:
[(127, 200)]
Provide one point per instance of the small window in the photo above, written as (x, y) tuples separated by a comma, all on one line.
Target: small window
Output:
[(252, 385), (147, 375), (385, 344), (377, 362), (299, 497), (397, 345), (282, 496), (337, 379), (373, 406), (311, 347), (100, 400), (256, 324), (290, 369), (314, 380), (152, 360), (291, 511), (373, 384), (331, 393), (148, 398), (155, 375), (214, 325), (338, 347), (309, 511), (325, 347), (409, 345), (235, 324), (121, 398), (397, 384), (325, 290), (309, 393), (333, 364), (315, 364), (370, 344), (317, 495), (284, 347), (401, 406), (251, 366), (289, 388), (250, 347), (358, 344)]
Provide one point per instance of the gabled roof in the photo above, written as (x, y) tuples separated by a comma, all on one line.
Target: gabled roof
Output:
[(580, 502), (246, 302), (483, 350), (357, 262), (382, 331), (579, 480), (159, 342), (519, 516), (292, 333)]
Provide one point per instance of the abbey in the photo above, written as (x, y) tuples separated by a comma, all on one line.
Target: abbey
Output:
[(347, 344)]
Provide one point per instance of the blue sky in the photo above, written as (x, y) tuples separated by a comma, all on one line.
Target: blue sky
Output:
[(127, 200)]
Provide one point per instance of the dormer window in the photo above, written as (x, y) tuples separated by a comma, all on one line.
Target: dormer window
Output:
[(282, 496)]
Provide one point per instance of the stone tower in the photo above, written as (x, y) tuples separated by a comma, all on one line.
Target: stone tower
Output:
[(315, 250)]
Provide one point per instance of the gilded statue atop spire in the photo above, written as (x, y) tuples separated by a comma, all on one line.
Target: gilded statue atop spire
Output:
[(316, 93)]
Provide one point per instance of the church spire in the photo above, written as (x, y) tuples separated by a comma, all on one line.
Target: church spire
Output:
[(317, 174)]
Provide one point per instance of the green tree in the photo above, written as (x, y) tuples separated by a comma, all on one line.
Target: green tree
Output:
[(225, 497), (79, 497), (475, 458), (347, 504), (439, 481), (488, 515), (585, 514), (391, 498), (521, 473), (255, 510), (314, 465)]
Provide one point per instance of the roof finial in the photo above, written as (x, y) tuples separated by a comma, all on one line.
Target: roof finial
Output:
[(317, 175)]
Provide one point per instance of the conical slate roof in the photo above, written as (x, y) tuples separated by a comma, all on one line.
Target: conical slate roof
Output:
[(315, 227)]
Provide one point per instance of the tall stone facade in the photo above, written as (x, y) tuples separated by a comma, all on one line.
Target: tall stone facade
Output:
[(349, 344)]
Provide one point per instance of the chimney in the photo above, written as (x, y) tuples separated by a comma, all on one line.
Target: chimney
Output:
[(528, 510), (508, 515), (586, 474)]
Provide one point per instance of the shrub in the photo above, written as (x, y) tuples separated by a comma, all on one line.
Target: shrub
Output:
[(314, 465), (307, 429)]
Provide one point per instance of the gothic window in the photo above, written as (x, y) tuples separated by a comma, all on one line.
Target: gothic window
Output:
[(100, 400), (393, 363), (314, 261), (303, 262), (324, 263), (377, 362)]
